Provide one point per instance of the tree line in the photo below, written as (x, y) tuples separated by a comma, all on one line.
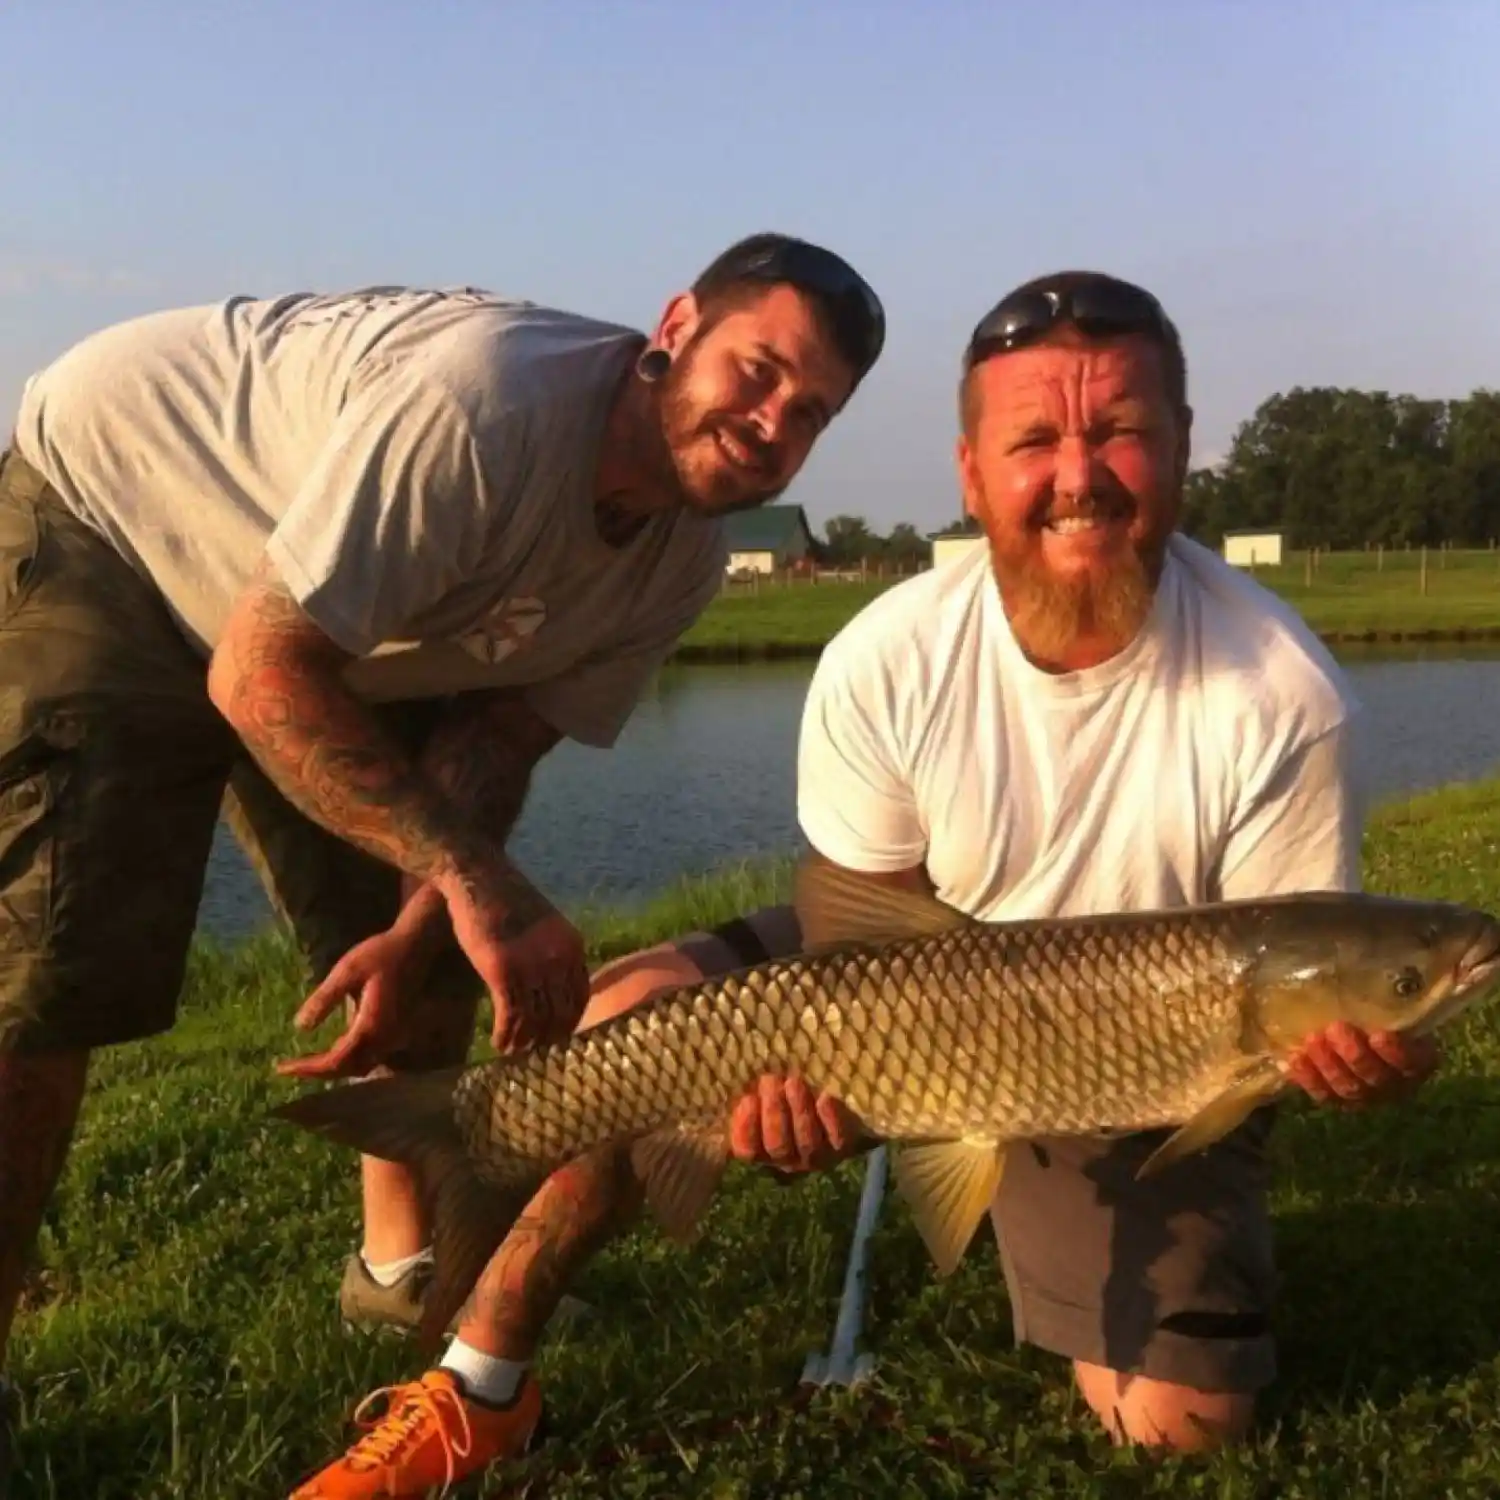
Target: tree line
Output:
[(1338, 468), (849, 541), (1329, 466)]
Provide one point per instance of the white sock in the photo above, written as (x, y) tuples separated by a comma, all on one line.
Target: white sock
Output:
[(487, 1379), (389, 1272)]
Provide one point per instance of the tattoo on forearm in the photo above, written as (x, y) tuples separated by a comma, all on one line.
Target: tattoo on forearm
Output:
[(474, 757), (578, 1210), (444, 817), (483, 767), (326, 753)]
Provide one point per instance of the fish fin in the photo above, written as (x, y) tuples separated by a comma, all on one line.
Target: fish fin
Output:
[(949, 1186), (1256, 1086), (835, 905), (680, 1171), (409, 1119)]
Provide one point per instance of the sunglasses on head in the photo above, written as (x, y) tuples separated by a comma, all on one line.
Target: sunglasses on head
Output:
[(856, 308), (1098, 310)]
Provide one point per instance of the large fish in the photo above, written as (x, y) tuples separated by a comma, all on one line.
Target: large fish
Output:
[(947, 1036)]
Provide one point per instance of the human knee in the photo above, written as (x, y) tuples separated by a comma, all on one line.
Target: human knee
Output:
[(633, 978), (1159, 1414), (628, 981)]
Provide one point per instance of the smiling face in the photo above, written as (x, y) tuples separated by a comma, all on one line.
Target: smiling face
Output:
[(1073, 463), (749, 391)]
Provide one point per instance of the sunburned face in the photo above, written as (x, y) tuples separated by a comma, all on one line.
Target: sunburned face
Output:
[(1074, 468), (746, 397)]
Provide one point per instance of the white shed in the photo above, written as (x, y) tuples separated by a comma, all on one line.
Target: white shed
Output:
[(1253, 549), (949, 546)]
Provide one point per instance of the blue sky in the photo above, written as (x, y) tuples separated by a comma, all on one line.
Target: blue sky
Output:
[(1311, 188)]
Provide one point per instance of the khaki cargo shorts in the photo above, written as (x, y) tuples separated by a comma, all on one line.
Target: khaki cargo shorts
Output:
[(1172, 1278), (114, 768)]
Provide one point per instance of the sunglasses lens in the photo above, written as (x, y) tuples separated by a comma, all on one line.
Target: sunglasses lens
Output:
[(1026, 316), (1012, 324), (1106, 309)]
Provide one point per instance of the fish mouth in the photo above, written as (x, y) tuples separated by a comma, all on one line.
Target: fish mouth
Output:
[(1480, 965), (1476, 972)]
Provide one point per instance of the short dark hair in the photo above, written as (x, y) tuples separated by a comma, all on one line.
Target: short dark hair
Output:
[(1090, 305), (853, 313)]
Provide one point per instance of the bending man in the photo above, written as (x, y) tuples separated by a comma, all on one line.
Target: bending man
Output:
[(359, 561)]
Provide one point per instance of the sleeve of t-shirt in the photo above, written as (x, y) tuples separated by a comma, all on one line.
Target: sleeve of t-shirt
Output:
[(592, 701), (1304, 829), (391, 516), (855, 803)]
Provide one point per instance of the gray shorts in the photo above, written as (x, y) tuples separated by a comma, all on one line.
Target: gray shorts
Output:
[(1171, 1278)]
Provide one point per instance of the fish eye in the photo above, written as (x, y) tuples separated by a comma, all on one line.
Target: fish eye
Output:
[(1429, 935), (1408, 982)]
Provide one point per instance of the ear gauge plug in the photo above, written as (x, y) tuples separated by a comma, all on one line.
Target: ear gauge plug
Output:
[(652, 365)]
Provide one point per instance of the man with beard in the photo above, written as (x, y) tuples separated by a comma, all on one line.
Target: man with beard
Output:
[(352, 564), (1092, 713)]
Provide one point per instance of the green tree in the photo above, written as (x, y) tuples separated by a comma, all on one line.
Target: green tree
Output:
[(849, 540), (1349, 468), (905, 546)]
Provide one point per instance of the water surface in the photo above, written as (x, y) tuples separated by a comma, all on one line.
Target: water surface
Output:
[(703, 774)]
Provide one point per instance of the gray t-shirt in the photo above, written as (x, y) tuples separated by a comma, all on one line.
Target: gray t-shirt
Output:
[(418, 465)]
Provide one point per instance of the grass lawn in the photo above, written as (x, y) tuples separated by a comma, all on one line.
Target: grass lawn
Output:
[(795, 616), (1355, 592), (1351, 595), (183, 1341)]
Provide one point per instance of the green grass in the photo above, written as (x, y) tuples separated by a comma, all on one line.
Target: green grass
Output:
[(792, 617), (1351, 595), (1354, 593), (183, 1339)]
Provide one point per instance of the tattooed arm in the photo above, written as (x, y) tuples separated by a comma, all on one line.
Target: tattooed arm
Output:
[(278, 680), (481, 756)]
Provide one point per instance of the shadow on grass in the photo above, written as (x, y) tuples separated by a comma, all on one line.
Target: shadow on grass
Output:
[(1386, 1224), (1388, 1254)]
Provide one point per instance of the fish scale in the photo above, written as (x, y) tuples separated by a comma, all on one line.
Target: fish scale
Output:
[(982, 1029)]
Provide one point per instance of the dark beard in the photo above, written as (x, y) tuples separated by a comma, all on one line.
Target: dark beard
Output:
[(681, 425)]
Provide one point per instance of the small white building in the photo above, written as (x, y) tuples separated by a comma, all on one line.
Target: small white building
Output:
[(949, 546), (767, 540), (1253, 549)]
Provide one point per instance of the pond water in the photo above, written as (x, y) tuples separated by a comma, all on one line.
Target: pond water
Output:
[(703, 774)]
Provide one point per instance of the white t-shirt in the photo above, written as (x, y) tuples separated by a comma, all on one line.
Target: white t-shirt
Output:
[(1210, 760), (418, 465)]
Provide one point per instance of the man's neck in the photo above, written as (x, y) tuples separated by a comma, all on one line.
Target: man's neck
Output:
[(633, 476), (1082, 653)]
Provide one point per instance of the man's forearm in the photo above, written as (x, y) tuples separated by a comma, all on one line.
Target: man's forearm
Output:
[(279, 683), (331, 758), (481, 755)]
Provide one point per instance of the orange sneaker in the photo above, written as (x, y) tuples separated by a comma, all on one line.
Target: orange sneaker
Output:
[(431, 1436)]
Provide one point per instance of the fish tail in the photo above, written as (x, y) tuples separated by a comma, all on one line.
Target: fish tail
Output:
[(409, 1119)]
